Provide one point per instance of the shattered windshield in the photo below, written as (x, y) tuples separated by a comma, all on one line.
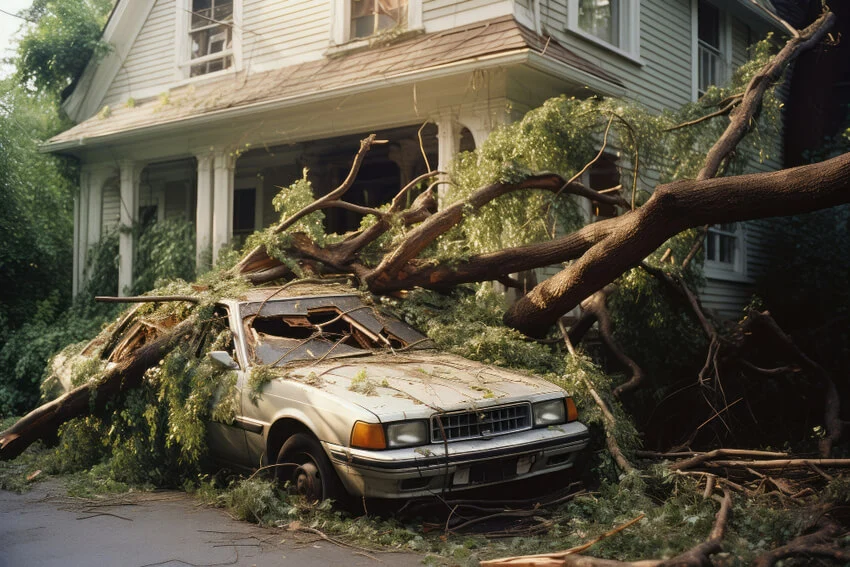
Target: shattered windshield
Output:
[(315, 328)]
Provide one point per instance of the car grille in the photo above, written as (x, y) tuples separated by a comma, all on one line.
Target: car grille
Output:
[(480, 423)]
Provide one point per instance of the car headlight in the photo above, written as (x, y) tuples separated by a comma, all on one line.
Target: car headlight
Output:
[(407, 433), (550, 412)]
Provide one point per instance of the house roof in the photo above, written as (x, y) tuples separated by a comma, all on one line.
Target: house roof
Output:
[(377, 64)]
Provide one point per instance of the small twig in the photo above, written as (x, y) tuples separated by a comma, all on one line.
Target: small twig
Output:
[(725, 110), (591, 162), (522, 559), (717, 414), (422, 146)]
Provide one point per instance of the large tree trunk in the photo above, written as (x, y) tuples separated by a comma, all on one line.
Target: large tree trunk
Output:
[(671, 209), (90, 398)]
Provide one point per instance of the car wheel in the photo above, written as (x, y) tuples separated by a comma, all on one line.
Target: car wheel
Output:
[(303, 463)]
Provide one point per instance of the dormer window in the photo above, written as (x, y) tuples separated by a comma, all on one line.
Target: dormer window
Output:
[(210, 36), (369, 17), (354, 21)]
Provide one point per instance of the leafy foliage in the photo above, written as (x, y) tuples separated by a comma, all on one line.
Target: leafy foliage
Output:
[(165, 250), (53, 53), (35, 220), (468, 322)]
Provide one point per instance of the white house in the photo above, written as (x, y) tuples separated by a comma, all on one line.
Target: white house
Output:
[(204, 107)]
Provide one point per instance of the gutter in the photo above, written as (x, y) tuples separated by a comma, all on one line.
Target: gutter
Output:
[(505, 59)]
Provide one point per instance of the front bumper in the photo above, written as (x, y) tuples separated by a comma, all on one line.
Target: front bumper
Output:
[(425, 470)]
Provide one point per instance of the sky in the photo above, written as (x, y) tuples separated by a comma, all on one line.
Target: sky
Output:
[(9, 26)]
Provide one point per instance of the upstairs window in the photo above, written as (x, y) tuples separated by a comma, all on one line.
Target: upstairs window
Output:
[(600, 18), (614, 24), (354, 20), (369, 17), (210, 36), (711, 48), (710, 57)]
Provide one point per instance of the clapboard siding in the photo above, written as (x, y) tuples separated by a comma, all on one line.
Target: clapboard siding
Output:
[(726, 298), (284, 33), (111, 206), (664, 78), (151, 61), (438, 15)]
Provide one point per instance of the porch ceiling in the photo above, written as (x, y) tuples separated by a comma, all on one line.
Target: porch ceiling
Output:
[(411, 60)]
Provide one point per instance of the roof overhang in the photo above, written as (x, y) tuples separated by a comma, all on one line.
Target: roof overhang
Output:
[(519, 57), (123, 26), (755, 13)]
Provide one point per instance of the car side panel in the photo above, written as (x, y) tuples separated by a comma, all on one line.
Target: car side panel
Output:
[(327, 417)]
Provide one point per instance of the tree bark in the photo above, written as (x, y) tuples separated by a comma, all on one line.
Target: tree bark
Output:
[(673, 208), (89, 398)]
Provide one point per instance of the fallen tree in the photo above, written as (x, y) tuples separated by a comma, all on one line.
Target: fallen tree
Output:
[(395, 252)]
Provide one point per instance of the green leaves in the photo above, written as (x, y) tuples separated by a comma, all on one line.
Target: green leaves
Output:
[(67, 34)]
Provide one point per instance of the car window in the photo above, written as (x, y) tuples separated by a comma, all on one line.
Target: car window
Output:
[(279, 332)]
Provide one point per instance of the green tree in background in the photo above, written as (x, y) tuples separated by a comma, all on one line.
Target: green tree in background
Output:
[(67, 33), (37, 193)]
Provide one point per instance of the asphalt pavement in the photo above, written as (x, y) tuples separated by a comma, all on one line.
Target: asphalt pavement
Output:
[(45, 528)]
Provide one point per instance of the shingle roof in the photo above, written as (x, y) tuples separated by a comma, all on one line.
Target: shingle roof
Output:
[(490, 37)]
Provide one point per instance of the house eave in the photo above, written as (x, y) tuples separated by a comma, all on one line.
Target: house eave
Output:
[(523, 56)]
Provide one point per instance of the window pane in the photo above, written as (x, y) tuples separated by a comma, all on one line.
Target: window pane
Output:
[(210, 40), (371, 16), (600, 18), (211, 66), (201, 13), (727, 249), (244, 206), (709, 24), (711, 246), (223, 10), (721, 243)]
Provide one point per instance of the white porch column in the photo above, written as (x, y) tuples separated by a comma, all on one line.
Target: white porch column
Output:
[(222, 217), (129, 216), (82, 228), (448, 142), (203, 213), (75, 270), (94, 178)]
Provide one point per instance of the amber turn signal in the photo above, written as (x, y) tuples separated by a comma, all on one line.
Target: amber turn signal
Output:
[(572, 412), (368, 436)]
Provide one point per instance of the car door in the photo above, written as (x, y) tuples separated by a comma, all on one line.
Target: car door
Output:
[(226, 441)]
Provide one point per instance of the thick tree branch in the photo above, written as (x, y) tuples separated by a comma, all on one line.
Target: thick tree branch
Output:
[(394, 263), (90, 397), (678, 206), (596, 306), (671, 209), (257, 259), (740, 118)]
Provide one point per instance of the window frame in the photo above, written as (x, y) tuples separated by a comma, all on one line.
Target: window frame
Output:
[(628, 29), (735, 270), (341, 23), (183, 55), (724, 52)]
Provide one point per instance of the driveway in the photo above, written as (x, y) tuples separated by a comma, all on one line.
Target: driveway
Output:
[(163, 529)]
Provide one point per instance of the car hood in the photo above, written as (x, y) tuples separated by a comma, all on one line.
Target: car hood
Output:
[(408, 386)]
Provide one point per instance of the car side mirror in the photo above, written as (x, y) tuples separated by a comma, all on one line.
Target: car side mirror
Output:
[(223, 359)]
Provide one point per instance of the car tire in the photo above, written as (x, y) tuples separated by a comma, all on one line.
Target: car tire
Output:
[(302, 461)]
